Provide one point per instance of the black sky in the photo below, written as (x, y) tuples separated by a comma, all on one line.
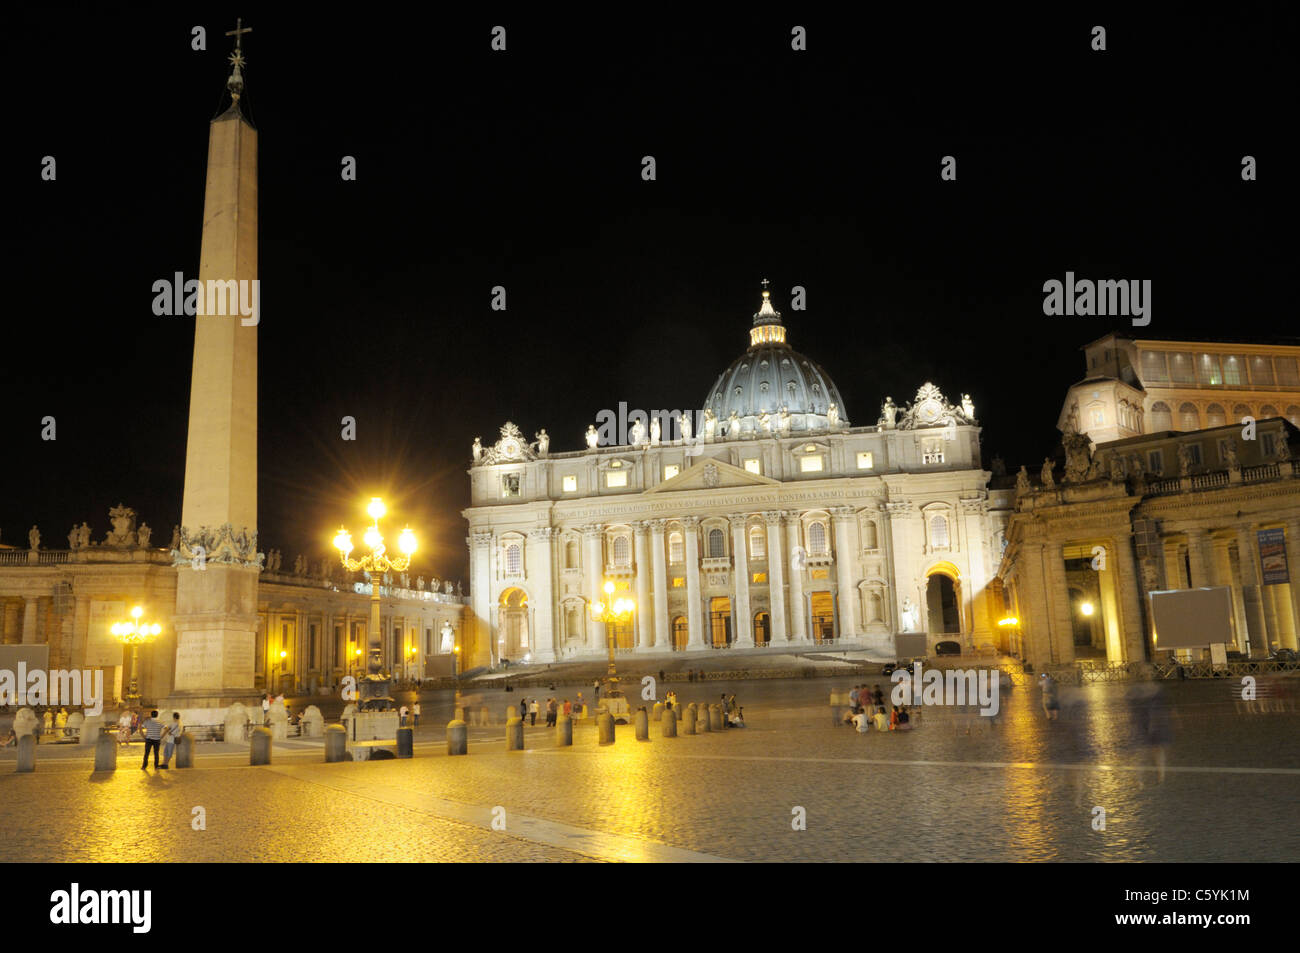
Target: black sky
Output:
[(522, 169)]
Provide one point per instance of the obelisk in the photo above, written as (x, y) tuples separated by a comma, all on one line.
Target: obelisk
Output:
[(217, 561)]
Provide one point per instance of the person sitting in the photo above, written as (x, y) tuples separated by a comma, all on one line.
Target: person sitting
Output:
[(10, 739), (861, 721), (893, 719), (737, 718), (904, 720), (881, 719)]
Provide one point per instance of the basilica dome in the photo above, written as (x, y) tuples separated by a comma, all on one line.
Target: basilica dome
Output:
[(770, 378)]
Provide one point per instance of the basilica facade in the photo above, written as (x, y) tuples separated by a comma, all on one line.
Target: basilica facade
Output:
[(767, 521)]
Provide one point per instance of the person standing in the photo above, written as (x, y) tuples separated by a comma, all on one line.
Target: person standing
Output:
[(171, 738), (596, 686), (403, 712), (124, 728), (152, 729), (415, 712), (532, 713), (1051, 702), (568, 708), (552, 712), (578, 706), (853, 699), (523, 709), (266, 708)]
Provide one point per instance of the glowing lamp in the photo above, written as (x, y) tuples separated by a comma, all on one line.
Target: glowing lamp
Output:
[(609, 588), (372, 537), (343, 541), (1086, 608), (406, 542), (376, 509)]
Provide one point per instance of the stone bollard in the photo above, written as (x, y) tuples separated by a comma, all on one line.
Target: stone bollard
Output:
[(512, 711), (91, 729), (642, 724), (25, 722), (658, 712), (336, 743), (279, 718), (313, 722), (405, 742), (515, 734), (465, 714), (106, 753), (688, 720), (457, 737), (702, 718), (563, 731), (185, 750), (715, 717), (605, 728), (235, 724), (669, 724), (259, 751), (26, 754)]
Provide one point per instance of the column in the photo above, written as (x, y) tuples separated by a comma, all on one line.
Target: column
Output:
[(644, 611), (841, 516), (900, 512), (798, 611), (1247, 555), (480, 654), (694, 611), (541, 572), (1133, 635), (12, 629), (1197, 540), (662, 638), (594, 572), (742, 622), (1058, 597), (1293, 568), (973, 585), (775, 578), (29, 619)]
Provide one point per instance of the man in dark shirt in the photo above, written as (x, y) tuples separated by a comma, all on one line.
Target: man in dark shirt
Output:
[(152, 730)]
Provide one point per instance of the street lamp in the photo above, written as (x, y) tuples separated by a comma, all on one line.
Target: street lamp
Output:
[(376, 564), (135, 633), (610, 612)]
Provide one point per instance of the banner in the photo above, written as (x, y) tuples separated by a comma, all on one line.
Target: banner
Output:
[(1272, 556)]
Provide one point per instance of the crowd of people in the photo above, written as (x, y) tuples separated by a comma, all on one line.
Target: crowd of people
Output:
[(867, 711)]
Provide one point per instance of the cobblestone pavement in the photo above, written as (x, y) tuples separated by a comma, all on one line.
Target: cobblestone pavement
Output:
[(1022, 789)]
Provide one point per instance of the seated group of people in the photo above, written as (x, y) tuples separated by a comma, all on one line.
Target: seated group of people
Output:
[(865, 719)]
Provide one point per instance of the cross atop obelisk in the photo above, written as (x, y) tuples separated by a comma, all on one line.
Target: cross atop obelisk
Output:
[(238, 33), (236, 81)]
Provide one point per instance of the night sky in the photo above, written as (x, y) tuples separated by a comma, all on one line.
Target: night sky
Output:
[(523, 169)]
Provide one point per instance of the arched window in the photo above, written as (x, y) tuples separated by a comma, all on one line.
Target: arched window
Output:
[(1240, 411), (622, 554), (571, 554), (676, 551), (817, 538), (1162, 417), (574, 616), (1267, 411), (757, 543), (1215, 416), (1189, 418), (939, 532), (514, 559), (717, 544), (870, 538)]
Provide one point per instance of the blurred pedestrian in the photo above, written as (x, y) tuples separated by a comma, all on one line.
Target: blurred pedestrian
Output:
[(1051, 701), (415, 712), (532, 713)]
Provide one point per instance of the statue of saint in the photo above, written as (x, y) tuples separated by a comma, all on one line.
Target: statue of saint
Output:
[(543, 442), (710, 424), (1184, 460), (34, 538), (143, 534), (685, 424), (967, 407), (765, 422), (1046, 474), (637, 435), (1117, 468), (1230, 455), (654, 431), (1283, 450), (909, 615), (477, 449), (1022, 481), (73, 537), (176, 537), (833, 417), (593, 438), (888, 413), (733, 425), (783, 422)]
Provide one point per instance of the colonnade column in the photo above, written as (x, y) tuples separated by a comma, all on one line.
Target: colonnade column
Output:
[(29, 619), (481, 597), (12, 630), (644, 611), (662, 643), (1250, 589), (775, 579), (1293, 569), (1058, 596), (742, 625), (694, 613), (594, 565), (541, 569), (1133, 631), (844, 559), (798, 611)]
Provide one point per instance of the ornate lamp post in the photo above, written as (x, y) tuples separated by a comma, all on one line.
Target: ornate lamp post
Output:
[(611, 612), (376, 564), (135, 633)]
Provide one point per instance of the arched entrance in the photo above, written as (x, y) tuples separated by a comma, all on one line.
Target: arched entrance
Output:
[(512, 625), (762, 628), (720, 617), (822, 605), (942, 600), (680, 634)]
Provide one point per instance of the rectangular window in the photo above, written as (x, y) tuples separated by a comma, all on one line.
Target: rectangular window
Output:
[(570, 483), (760, 577), (1287, 373), (1261, 370), (865, 460), (1207, 366), (1268, 444), (1154, 368), (679, 582), (932, 456), (1181, 368), (753, 465), (810, 464), (509, 484), (614, 478), (671, 470), (1234, 369), (1194, 454)]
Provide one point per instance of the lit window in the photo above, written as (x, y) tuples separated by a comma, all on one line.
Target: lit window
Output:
[(570, 484), (819, 574), (939, 532), (810, 464), (671, 470), (616, 478), (760, 577), (817, 539), (865, 461), (752, 465), (514, 560), (679, 582), (675, 551)]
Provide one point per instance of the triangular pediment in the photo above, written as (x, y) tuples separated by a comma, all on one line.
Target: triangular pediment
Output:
[(709, 474)]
